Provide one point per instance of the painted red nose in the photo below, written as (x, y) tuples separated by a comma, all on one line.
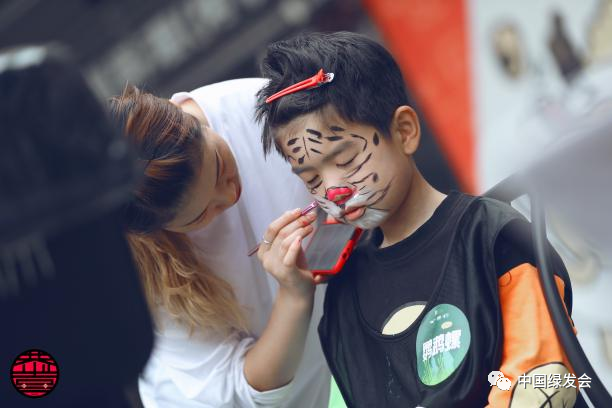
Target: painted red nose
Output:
[(339, 195)]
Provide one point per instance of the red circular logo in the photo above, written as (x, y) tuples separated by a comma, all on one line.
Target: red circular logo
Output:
[(34, 373)]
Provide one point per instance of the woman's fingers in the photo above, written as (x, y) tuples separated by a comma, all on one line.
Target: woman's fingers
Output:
[(300, 222), (283, 255), (273, 233), (284, 225), (287, 224), (279, 247), (291, 256), (275, 227), (300, 232), (319, 279)]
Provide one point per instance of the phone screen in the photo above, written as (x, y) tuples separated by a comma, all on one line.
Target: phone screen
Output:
[(330, 247)]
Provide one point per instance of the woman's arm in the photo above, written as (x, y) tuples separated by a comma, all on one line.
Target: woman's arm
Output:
[(273, 360)]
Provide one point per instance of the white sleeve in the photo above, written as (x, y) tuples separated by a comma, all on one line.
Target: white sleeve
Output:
[(198, 372)]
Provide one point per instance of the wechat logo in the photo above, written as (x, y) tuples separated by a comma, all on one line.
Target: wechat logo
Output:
[(497, 378)]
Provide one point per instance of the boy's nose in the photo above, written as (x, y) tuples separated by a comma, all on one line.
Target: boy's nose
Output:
[(339, 195)]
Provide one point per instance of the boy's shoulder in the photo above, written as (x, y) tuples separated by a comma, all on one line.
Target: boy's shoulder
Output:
[(467, 210), (493, 212), (480, 219), (472, 215), (474, 210)]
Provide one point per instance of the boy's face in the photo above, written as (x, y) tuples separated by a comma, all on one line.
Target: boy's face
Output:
[(357, 176)]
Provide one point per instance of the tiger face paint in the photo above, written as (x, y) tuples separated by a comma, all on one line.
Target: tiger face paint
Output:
[(350, 169)]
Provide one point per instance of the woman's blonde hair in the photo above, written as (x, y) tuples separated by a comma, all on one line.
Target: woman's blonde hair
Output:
[(168, 143)]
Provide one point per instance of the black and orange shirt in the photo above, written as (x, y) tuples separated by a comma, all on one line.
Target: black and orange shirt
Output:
[(422, 323)]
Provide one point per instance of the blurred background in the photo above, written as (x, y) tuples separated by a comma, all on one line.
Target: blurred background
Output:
[(496, 84)]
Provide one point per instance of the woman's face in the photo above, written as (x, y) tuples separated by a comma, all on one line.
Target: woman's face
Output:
[(216, 187)]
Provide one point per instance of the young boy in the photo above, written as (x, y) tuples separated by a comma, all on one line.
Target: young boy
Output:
[(440, 304)]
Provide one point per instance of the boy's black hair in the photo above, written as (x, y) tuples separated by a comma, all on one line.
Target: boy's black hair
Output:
[(367, 88)]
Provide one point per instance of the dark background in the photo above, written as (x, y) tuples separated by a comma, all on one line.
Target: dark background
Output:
[(170, 46)]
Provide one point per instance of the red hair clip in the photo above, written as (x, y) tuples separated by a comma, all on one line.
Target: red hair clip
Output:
[(314, 81)]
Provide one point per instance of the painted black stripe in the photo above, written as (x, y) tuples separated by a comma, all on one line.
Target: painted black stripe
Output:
[(314, 132), (362, 180), (317, 186), (305, 147), (343, 165), (360, 166), (334, 138), (383, 192), (365, 145)]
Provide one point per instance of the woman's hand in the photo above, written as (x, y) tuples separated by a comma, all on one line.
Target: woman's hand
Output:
[(282, 256), (274, 358)]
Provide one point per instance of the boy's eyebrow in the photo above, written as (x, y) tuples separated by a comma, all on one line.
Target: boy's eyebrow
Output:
[(327, 158)]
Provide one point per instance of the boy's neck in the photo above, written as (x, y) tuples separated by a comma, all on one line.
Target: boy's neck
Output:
[(419, 205)]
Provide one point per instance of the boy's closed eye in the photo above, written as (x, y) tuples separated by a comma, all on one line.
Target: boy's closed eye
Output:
[(314, 182), (347, 163)]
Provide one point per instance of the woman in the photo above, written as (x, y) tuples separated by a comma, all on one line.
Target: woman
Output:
[(204, 200)]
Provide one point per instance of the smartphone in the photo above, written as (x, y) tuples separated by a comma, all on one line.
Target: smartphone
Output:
[(330, 247)]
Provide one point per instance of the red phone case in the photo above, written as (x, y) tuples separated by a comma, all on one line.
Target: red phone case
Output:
[(344, 255)]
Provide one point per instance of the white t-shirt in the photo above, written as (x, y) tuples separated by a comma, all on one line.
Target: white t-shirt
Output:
[(205, 370)]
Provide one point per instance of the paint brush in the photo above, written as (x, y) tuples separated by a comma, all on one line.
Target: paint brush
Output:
[(304, 211)]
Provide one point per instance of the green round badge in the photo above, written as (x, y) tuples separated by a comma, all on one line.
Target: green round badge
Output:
[(442, 342)]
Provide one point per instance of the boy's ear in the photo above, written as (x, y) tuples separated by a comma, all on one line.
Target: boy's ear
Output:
[(405, 129)]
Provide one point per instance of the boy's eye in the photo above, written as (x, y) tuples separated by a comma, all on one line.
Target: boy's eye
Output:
[(312, 180), (314, 183), (347, 162), (313, 188)]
